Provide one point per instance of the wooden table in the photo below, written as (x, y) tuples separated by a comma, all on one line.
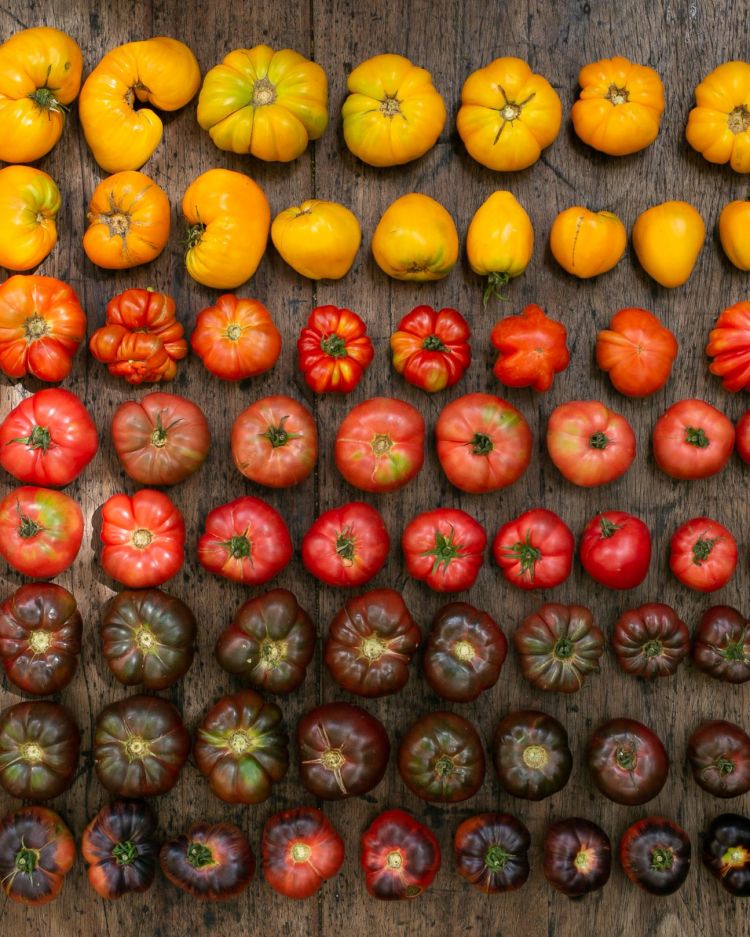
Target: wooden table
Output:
[(682, 40)]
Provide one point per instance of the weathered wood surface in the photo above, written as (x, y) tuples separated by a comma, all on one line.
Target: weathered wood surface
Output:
[(683, 40)]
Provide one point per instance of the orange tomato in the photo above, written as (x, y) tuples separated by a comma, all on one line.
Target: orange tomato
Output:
[(734, 233), (637, 351), (719, 125), (236, 338), (667, 240), (416, 239), (29, 203), (587, 243)]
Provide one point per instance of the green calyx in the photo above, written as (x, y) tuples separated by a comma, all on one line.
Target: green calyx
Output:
[(433, 343), (125, 853), (696, 437), (598, 441), (345, 545), (333, 345), (526, 556), (607, 528), (481, 444), (278, 436), (702, 549), (496, 283), (445, 551), (38, 438), (45, 100), (26, 860), (496, 858), (662, 860), (199, 855)]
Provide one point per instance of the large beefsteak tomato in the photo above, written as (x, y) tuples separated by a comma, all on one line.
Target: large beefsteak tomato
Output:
[(275, 442), (444, 548), (40, 531), (535, 551)]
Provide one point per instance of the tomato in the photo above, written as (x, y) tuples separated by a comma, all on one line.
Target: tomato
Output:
[(236, 338), (39, 744), (444, 548), (615, 549), (40, 531), (491, 852), (718, 753), (41, 326), (343, 751), (213, 862), (380, 444), (371, 642), (655, 855), (399, 856), (535, 551), (667, 240), (703, 554), (37, 850), (140, 746), (245, 540), (692, 439), (318, 239), (717, 126), (143, 538), (161, 439), (431, 349), (577, 857), (587, 243), (270, 642), (733, 222), (628, 762), (275, 442), (441, 758), (499, 242), (120, 848), (637, 352), (465, 652), (533, 348), (148, 637), (728, 345), (334, 350), (650, 641), (742, 437), (29, 205), (589, 443), (301, 850), (726, 852), (721, 644), (416, 239), (558, 647), (531, 754), (346, 546), (40, 637), (483, 443), (241, 746)]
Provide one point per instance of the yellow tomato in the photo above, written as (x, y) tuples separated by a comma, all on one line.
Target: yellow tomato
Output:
[(40, 73), (620, 105), (500, 241), (29, 203), (393, 113), (416, 239), (587, 243), (719, 125), (734, 233), (317, 239), (263, 102), (160, 71), (667, 240), (508, 115), (229, 217)]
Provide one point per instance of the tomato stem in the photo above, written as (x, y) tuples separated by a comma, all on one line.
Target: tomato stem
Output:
[(445, 550), (696, 437), (199, 855), (26, 860), (607, 528), (662, 859), (734, 651), (433, 343), (626, 758), (616, 95), (45, 100), (481, 444), (735, 857), (278, 436), (738, 120), (333, 345), (535, 756), (390, 105), (38, 438), (598, 441), (345, 545), (239, 546), (563, 648), (724, 766), (125, 853), (264, 92), (444, 766), (652, 648), (300, 852), (496, 858), (526, 555), (496, 282), (702, 549), (233, 332), (27, 527)]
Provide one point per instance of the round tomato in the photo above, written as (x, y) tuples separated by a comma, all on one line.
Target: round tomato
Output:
[(346, 546), (483, 443), (491, 852), (39, 743), (742, 437), (120, 848), (380, 444), (615, 549), (590, 444), (334, 350), (245, 540), (236, 338), (444, 548), (301, 850), (726, 852), (718, 753), (628, 762), (531, 755), (37, 850), (637, 351), (577, 857), (399, 856), (48, 439), (143, 538), (40, 531), (692, 440), (441, 758), (655, 855), (275, 442), (431, 349), (535, 551), (213, 862), (160, 440), (650, 641), (721, 644), (703, 554)]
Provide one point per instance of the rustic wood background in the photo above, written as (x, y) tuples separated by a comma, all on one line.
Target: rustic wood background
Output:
[(682, 39)]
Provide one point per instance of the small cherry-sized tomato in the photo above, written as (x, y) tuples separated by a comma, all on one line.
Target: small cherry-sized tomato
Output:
[(212, 861), (431, 349), (703, 554), (721, 644), (535, 551), (346, 546), (655, 855), (499, 242), (615, 549), (587, 243), (236, 338), (416, 239), (668, 239), (491, 852), (319, 240), (444, 548), (275, 442), (650, 641), (399, 856), (729, 346), (334, 350), (120, 848), (628, 762), (577, 857), (733, 225), (531, 754), (637, 352), (742, 437), (726, 852), (301, 850), (533, 348), (40, 531), (692, 439), (441, 758), (718, 753), (589, 443), (37, 850)]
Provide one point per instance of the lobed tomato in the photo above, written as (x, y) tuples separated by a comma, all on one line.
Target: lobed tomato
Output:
[(301, 850), (590, 444), (37, 850), (346, 546), (120, 848), (637, 351), (275, 442), (441, 758), (212, 861), (431, 349), (444, 548), (334, 350), (39, 745), (703, 554), (535, 551), (533, 348), (655, 855), (721, 644), (236, 338), (692, 439), (531, 754), (491, 852), (400, 856), (577, 857), (650, 641), (615, 549)]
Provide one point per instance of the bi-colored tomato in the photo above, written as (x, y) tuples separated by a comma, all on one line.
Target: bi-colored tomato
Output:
[(589, 443), (431, 349), (655, 855), (39, 744), (491, 852), (586, 243), (275, 442), (533, 348), (719, 756), (29, 203), (531, 754), (415, 239), (729, 346), (499, 242), (721, 645), (703, 554), (668, 239), (317, 239), (120, 848), (733, 225), (615, 549), (37, 850), (301, 850), (236, 338), (628, 762), (346, 546), (718, 125), (399, 856), (441, 758), (444, 548), (211, 862), (535, 551), (637, 352), (577, 857), (40, 531), (726, 852), (334, 350), (692, 439), (650, 641)]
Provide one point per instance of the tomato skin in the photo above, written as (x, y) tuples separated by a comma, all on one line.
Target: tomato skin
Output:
[(531, 755), (399, 856), (637, 352), (40, 531), (483, 443), (275, 442), (212, 861), (346, 546), (587, 243), (615, 549), (441, 758), (703, 554), (39, 745), (535, 551), (721, 644), (718, 753), (44, 832), (532, 349), (318, 239), (577, 856), (120, 848), (491, 852), (334, 350), (628, 762), (236, 338), (650, 641), (742, 437), (692, 440), (590, 444), (726, 852), (655, 855), (301, 850), (728, 345), (431, 349), (444, 548)]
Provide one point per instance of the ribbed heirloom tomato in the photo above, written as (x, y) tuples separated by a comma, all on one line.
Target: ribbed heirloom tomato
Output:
[(726, 852), (531, 754), (535, 551), (40, 531), (334, 350), (692, 439), (650, 641), (399, 856), (718, 125), (655, 855), (120, 848), (275, 442), (491, 852), (37, 850), (236, 338), (615, 549), (39, 745), (721, 645), (703, 554), (346, 546), (301, 850), (729, 345), (211, 862), (441, 758), (533, 348), (589, 443), (577, 857), (637, 352), (444, 548), (431, 349)]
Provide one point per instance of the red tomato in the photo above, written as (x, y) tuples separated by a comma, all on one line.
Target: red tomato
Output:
[(399, 856), (236, 338), (533, 348), (535, 551), (48, 439), (743, 437), (143, 537), (40, 531), (380, 444), (346, 546), (431, 349), (301, 849), (334, 350), (692, 440), (615, 549), (637, 351), (444, 548), (703, 554), (245, 540), (483, 443), (729, 346), (590, 444), (275, 442)]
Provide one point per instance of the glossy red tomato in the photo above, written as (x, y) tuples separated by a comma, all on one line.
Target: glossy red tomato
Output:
[(650, 641), (431, 349), (615, 549), (39, 745), (441, 758), (212, 861), (40, 531), (577, 857), (491, 852), (400, 856), (334, 350), (444, 548), (742, 437), (37, 850), (346, 546), (628, 762), (535, 551), (721, 644), (275, 442), (692, 439), (120, 848), (655, 855), (483, 443), (301, 850), (590, 444), (703, 554)]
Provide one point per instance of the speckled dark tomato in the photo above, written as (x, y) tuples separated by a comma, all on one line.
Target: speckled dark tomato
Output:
[(441, 758), (726, 852), (39, 743), (719, 757), (650, 641), (655, 855), (721, 645), (37, 850), (120, 848), (577, 857), (213, 862), (628, 762), (531, 754), (399, 856), (491, 851)]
